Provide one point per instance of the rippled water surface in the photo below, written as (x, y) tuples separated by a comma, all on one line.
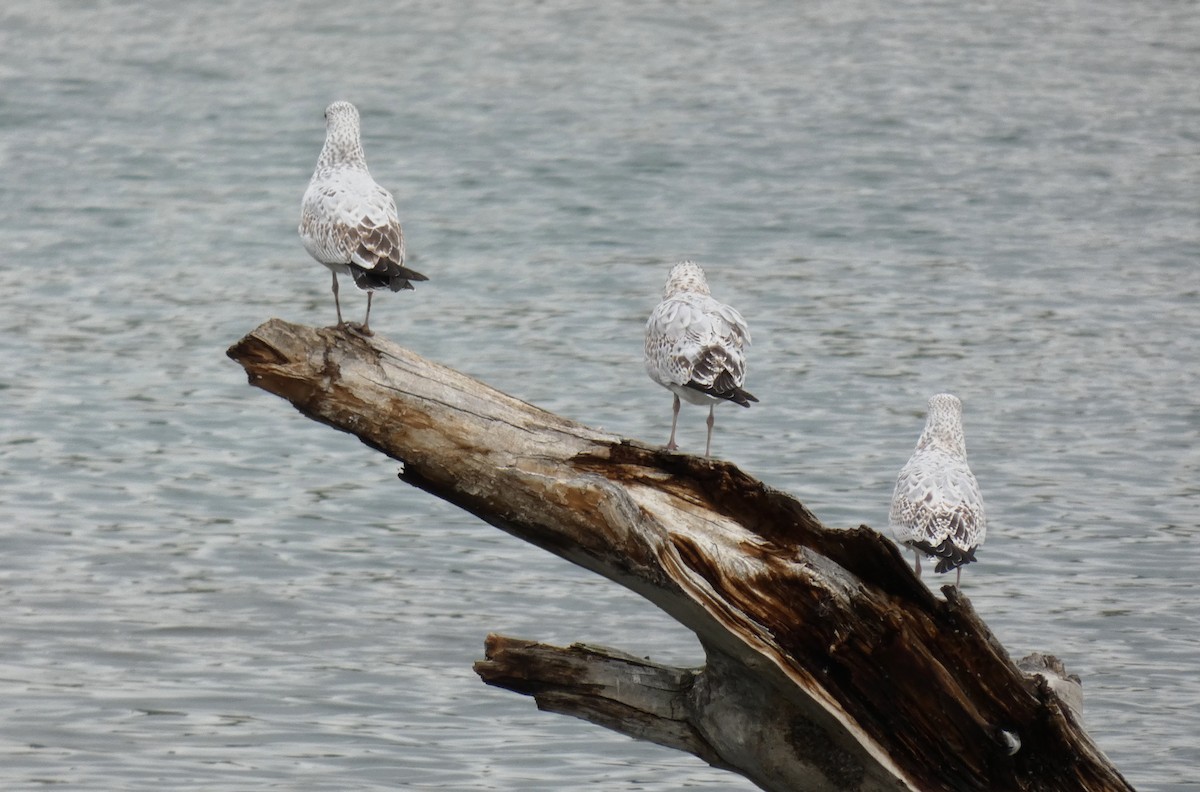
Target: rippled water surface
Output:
[(202, 589)]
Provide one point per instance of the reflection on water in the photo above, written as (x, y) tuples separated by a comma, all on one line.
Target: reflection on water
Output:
[(203, 588)]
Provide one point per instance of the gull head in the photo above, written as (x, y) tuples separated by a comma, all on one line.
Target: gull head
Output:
[(943, 425), (342, 142), (686, 276)]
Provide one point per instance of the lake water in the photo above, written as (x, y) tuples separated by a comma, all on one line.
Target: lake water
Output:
[(201, 589)]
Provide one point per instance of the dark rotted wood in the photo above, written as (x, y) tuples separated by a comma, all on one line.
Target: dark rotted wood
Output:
[(825, 635)]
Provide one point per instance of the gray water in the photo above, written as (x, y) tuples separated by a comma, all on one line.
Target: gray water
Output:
[(201, 589)]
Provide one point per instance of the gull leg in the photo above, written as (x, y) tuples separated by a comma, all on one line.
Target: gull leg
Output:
[(336, 303), (917, 567), (708, 442), (957, 576), (365, 329), (674, 420)]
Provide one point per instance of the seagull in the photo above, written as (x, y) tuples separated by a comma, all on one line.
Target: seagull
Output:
[(694, 347), (936, 507), (347, 221)]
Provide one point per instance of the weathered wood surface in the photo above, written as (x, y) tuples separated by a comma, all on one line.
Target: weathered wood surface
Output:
[(829, 665)]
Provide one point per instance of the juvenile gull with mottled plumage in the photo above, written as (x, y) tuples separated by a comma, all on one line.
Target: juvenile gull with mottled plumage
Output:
[(937, 509), (695, 346), (347, 221)]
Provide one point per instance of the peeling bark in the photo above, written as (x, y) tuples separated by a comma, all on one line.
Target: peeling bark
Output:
[(829, 665)]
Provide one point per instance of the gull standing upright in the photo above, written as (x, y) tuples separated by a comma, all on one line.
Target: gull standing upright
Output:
[(937, 509), (694, 347), (347, 221)]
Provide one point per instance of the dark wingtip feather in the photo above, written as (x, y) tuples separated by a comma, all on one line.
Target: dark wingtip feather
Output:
[(735, 394), (405, 272), (395, 277), (949, 555)]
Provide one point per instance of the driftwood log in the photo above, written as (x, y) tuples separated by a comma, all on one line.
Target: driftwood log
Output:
[(829, 666)]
